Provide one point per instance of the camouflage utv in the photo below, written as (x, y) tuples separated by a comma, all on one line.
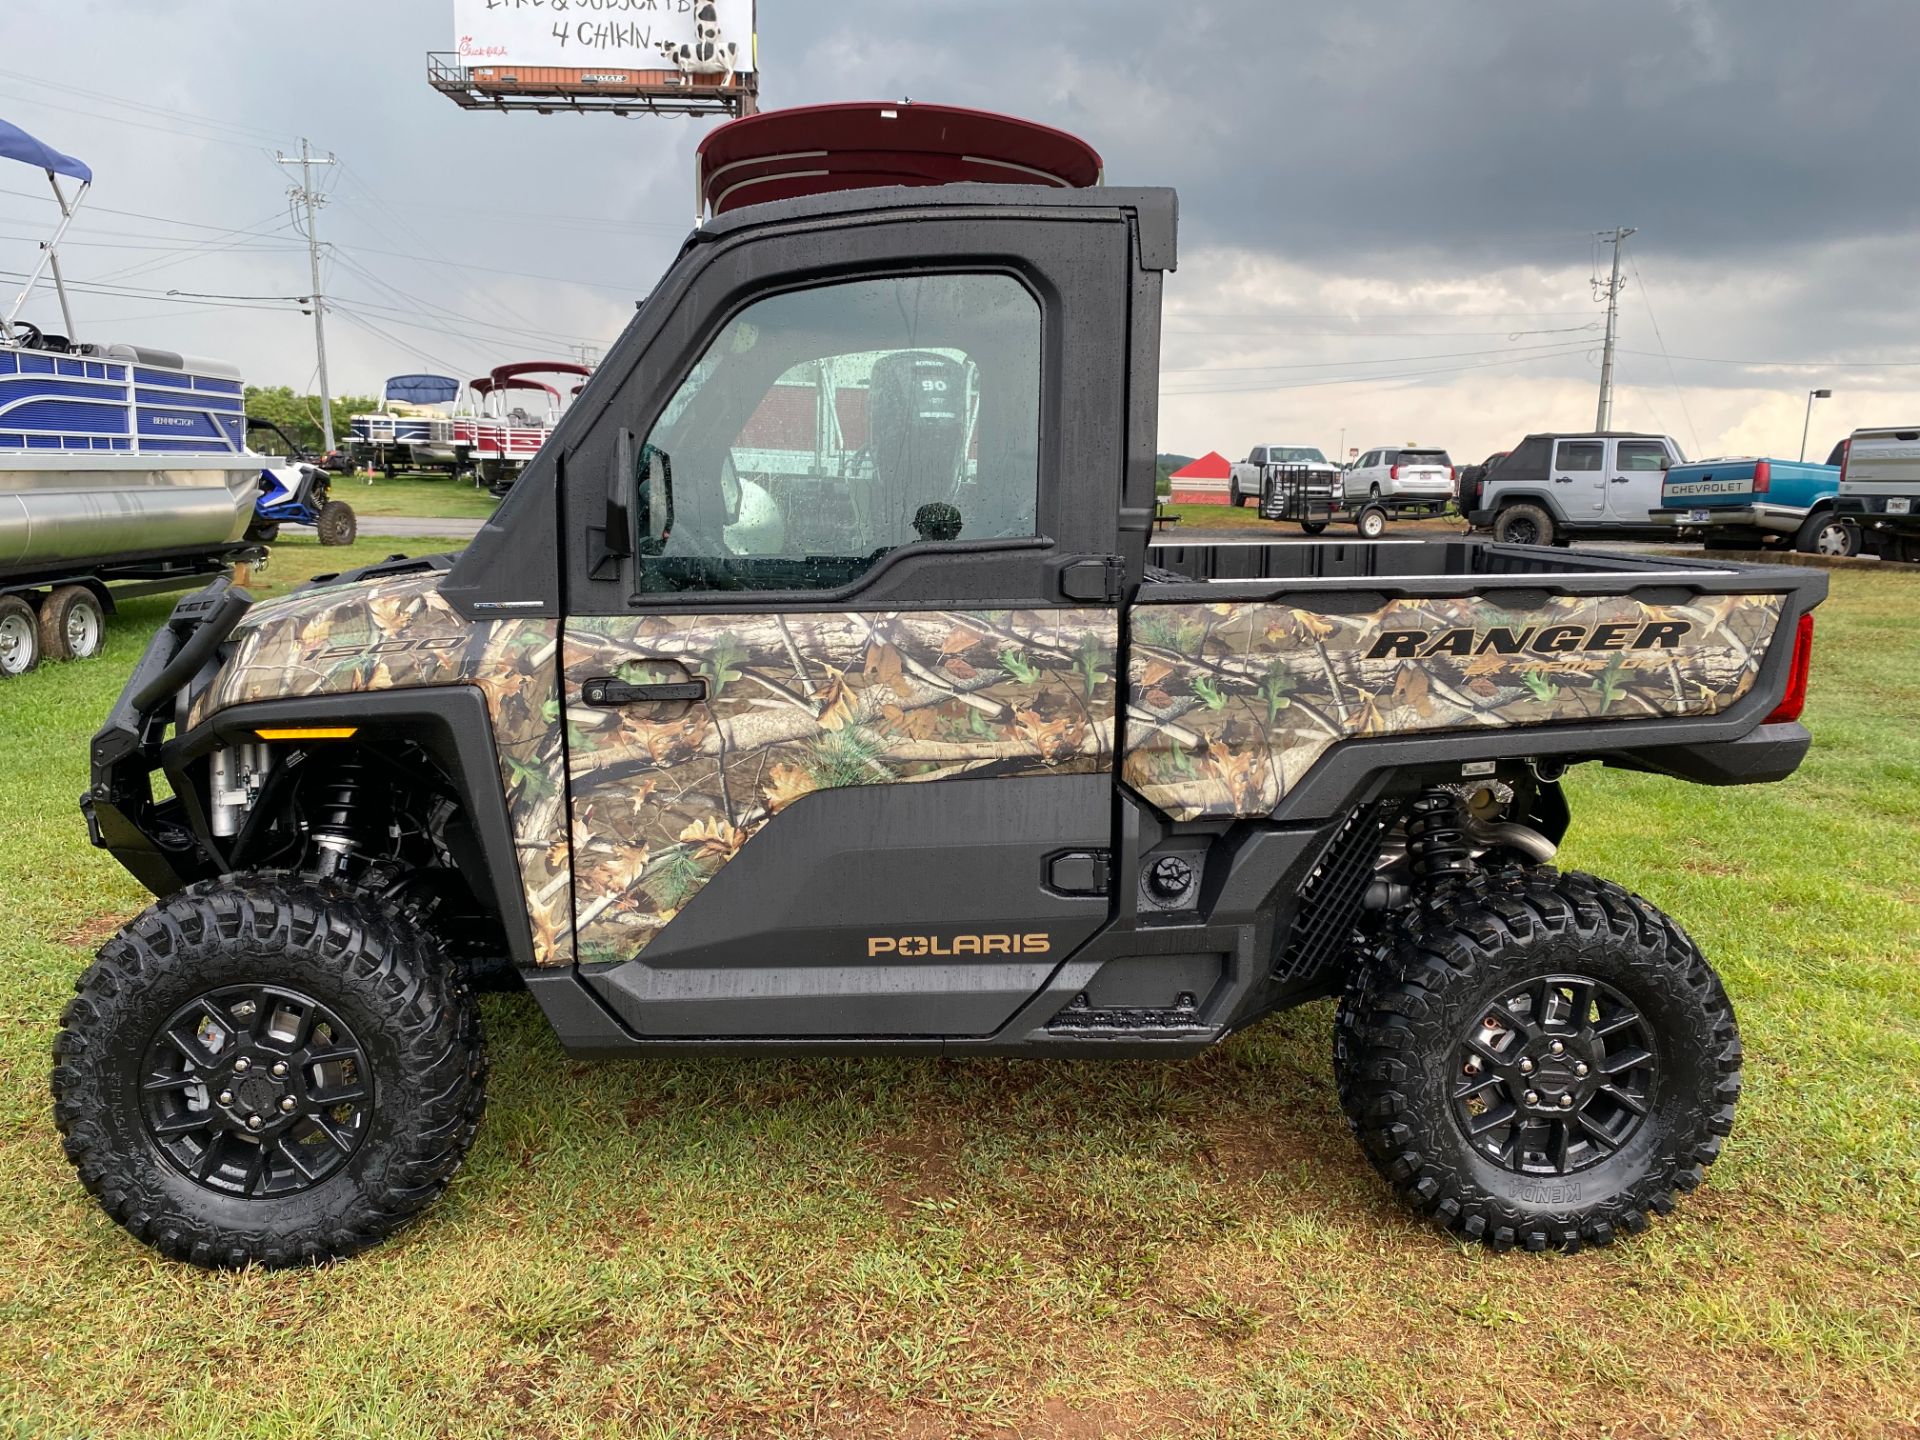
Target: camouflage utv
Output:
[(819, 687)]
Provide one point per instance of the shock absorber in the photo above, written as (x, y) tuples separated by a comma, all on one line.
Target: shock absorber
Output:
[(351, 807), (1437, 842)]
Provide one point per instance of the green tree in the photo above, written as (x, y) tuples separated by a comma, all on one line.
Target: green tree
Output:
[(299, 415)]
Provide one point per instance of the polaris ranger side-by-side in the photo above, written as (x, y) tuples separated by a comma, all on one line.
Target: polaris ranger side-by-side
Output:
[(819, 687)]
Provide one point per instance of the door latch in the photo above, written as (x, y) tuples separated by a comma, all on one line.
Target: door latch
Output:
[(606, 691)]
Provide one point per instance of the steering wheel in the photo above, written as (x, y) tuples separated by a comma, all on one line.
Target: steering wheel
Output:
[(31, 331)]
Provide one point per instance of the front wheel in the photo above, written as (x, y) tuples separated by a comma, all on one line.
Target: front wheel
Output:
[(336, 524), (1826, 533), (264, 1070), (1540, 1061)]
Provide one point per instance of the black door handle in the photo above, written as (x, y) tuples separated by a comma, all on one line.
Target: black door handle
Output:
[(1621, 480), (608, 692)]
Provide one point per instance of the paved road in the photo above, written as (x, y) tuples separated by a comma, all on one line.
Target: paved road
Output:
[(410, 527)]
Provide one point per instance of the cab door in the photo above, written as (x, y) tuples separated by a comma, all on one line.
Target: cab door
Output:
[(1579, 478), (841, 727)]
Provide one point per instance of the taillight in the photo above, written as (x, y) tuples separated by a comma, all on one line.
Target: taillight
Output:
[(1846, 453), (1795, 700), (1452, 475), (1393, 473), (1762, 477)]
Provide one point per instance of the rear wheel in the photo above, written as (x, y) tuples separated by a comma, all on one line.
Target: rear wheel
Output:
[(19, 636), (336, 524), (1523, 525), (1313, 527), (73, 625), (1538, 1060), (1825, 533), (264, 1070)]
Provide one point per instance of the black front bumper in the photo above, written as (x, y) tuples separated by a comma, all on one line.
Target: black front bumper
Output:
[(152, 838)]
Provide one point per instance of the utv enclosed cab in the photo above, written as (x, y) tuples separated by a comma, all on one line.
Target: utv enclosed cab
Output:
[(817, 687)]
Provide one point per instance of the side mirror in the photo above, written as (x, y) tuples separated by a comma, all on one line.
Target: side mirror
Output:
[(611, 541), (1666, 462), (654, 477)]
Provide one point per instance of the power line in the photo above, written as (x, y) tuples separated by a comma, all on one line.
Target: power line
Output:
[(1785, 364), (1646, 299), (1243, 389), (1560, 345)]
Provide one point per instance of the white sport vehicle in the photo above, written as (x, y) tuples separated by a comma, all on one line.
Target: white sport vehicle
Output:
[(1396, 473)]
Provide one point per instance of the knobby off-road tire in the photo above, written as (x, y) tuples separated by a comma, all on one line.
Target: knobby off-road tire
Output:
[(213, 966), (1523, 524), (1401, 1059), (336, 524)]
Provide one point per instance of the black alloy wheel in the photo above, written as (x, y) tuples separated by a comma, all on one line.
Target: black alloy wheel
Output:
[(256, 1091), (1555, 1076)]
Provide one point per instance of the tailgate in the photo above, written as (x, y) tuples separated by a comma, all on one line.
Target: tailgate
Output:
[(1720, 482)]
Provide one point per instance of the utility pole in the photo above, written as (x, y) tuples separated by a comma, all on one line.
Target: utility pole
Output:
[(1603, 418), (304, 195)]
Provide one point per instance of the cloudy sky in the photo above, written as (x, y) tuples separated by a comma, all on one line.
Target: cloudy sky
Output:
[(1388, 206)]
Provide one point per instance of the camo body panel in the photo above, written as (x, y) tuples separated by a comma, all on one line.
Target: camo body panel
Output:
[(665, 795), (398, 634), (1229, 705)]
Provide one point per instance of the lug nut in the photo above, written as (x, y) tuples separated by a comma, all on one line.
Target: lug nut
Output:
[(287, 1102), (1526, 1067), (1557, 1047), (254, 1122), (279, 1068), (226, 1097), (1580, 1069), (1532, 1097), (1473, 1065), (1566, 1102), (242, 1065)]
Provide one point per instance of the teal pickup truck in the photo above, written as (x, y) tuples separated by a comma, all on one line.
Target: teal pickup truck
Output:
[(1743, 502)]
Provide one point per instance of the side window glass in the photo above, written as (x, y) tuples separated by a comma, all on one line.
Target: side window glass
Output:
[(1641, 454), (826, 427), (1581, 455)]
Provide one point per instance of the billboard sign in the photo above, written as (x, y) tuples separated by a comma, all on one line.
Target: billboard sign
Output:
[(696, 37)]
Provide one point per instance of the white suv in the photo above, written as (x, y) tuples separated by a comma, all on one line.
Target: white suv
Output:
[(1399, 473)]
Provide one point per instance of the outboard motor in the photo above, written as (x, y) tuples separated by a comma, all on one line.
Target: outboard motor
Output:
[(917, 408)]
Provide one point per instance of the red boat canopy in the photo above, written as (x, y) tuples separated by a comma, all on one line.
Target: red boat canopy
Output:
[(505, 375), (818, 149)]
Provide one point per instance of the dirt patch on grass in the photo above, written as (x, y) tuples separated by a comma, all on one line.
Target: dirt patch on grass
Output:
[(920, 1169), (92, 933)]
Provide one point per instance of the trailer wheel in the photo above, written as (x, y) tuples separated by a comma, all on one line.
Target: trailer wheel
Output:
[(336, 524), (1825, 533), (73, 626), (19, 636), (267, 1070), (1313, 527), (1538, 1060), (1371, 522)]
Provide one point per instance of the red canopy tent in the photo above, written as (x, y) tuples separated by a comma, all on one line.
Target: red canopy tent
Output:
[(818, 149)]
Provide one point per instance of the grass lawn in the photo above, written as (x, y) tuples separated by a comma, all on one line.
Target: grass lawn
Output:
[(427, 497), (882, 1247)]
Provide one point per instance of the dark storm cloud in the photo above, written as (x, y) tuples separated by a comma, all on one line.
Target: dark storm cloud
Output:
[(1490, 132)]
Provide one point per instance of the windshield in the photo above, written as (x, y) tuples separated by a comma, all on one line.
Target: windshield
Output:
[(1295, 455)]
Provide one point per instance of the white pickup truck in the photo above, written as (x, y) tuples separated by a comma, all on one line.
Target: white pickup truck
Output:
[(1247, 481), (1880, 488)]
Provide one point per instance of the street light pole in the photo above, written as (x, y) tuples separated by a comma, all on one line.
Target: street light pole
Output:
[(1807, 424)]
